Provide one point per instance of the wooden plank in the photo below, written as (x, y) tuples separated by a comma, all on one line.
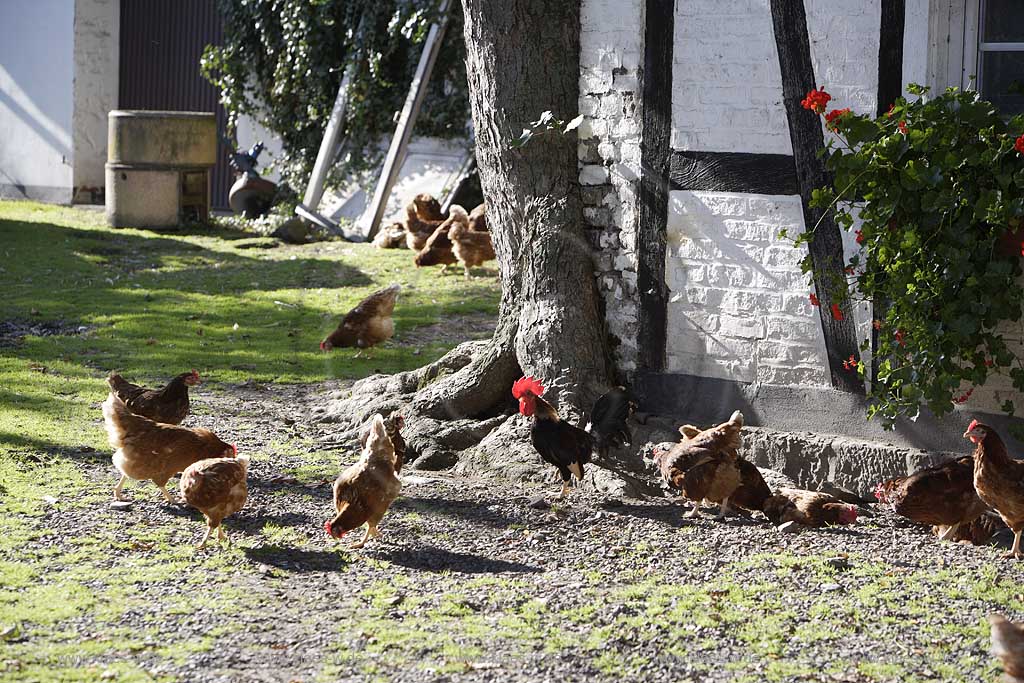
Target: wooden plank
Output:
[(655, 160), (734, 172), (329, 144), (789, 22), (890, 87), (371, 219)]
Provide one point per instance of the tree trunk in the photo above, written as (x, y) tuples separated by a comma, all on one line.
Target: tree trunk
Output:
[(522, 59)]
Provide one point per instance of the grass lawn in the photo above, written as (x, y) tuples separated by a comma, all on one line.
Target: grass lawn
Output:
[(158, 303), (153, 304), (469, 582)]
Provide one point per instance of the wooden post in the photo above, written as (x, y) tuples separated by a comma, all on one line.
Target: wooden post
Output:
[(315, 187), (370, 220)]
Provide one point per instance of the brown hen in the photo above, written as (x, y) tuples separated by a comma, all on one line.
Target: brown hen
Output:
[(470, 247), (809, 508), (942, 496), (393, 425), (1008, 646), (752, 491), (478, 219), (368, 324), (154, 450), (422, 216), (364, 492), (704, 467), (217, 488), (998, 479), (168, 404), (437, 250)]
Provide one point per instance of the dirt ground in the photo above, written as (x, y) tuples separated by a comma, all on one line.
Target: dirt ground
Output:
[(477, 580)]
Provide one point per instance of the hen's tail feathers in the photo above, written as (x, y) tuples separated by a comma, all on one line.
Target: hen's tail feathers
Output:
[(609, 424), (736, 418), (118, 420)]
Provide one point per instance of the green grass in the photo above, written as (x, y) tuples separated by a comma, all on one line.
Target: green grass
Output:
[(157, 304)]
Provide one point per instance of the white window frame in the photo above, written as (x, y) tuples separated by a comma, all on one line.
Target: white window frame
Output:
[(953, 43)]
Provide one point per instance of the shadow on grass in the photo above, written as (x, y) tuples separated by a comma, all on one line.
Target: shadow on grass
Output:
[(471, 511), (296, 560), (19, 443), (429, 558)]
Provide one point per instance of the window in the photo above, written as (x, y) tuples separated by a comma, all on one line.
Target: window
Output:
[(1000, 65), (971, 44)]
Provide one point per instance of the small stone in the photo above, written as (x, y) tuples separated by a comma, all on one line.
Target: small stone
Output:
[(839, 563), (396, 600), (539, 503), (789, 528), (829, 587), (121, 505)]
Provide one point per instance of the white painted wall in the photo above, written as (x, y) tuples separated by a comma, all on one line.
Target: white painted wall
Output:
[(738, 305), (97, 35), (249, 132), (611, 57), (36, 99)]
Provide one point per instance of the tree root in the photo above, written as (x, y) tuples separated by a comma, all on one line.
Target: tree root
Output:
[(459, 414)]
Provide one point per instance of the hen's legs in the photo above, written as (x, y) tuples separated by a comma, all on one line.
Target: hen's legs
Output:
[(466, 269), (949, 532), (202, 544), (565, 490), (1015, 550), (724, 508), (117, 489), (365, 538), (694, 511), (163, 490), (222, 535)]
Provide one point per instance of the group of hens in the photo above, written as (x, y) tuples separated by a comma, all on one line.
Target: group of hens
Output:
[(965, 499), (438, 240)]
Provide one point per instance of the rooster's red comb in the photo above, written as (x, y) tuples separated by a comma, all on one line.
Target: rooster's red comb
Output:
[(970, 427), (527, 385)]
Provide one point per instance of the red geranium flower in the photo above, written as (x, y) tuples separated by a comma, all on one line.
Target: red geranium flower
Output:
[(1019, 145), (848, 270), (816, 101), (899, 338), (891, 107), (814, 300), (850, 363), (837, 313), (989, 362), (877, 324), (860, 237), (903, 127), (833, 115)]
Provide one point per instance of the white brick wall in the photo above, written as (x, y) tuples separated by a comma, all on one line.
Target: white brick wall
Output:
[(739, 306), (611, 56), (727, 87)]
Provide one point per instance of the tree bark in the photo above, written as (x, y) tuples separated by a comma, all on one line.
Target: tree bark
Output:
[(522, 59)]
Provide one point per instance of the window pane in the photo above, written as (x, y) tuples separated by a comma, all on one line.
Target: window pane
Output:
[(1002, 80), (1004, 21)]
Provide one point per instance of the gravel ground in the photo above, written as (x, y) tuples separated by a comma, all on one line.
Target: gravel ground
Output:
[(472, 582)]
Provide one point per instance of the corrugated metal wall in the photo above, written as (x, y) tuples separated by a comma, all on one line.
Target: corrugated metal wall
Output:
[(161, 44)]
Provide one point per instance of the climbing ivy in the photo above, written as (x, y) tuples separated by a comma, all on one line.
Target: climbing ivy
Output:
[(282, 61)]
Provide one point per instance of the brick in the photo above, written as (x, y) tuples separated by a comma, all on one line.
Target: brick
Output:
[(592, 174), (750, 327)]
